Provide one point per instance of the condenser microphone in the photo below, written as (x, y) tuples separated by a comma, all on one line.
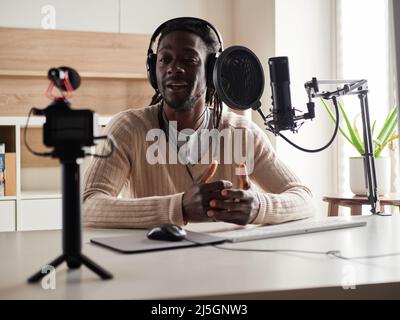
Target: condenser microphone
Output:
[(60, 74), (282, 110)]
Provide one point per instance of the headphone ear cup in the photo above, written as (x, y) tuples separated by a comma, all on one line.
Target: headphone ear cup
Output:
[(151, 70), (211, 59)]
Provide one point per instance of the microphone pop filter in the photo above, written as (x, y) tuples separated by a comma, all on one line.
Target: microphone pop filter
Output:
[(238, 78)]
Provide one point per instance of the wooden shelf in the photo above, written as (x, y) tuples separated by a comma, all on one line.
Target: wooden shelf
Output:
[(95, 75), (5, 198), (40, 194), (111, 65)]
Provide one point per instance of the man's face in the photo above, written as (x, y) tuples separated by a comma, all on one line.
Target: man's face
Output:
[(180, 69)]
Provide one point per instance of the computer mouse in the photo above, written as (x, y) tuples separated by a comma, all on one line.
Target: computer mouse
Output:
[(166, 232)]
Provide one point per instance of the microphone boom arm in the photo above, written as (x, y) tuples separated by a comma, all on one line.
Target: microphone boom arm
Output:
[(359, 88)]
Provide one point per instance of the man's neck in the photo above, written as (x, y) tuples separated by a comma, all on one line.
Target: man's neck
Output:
[(186, 119)]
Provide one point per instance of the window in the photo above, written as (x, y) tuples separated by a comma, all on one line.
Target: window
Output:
[(364, 52)]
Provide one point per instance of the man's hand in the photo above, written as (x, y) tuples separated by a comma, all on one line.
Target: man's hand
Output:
[(238, 206), (195, 202)]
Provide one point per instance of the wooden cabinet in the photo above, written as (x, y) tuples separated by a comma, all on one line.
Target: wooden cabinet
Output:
[(40, 214), (7, 215)]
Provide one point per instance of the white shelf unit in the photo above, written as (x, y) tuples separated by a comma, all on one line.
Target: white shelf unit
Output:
[(32, 208)]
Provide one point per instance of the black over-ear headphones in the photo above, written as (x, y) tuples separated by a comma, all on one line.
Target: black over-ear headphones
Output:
[(152, 57)]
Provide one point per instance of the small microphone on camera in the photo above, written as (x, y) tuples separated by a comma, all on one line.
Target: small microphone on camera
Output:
[(61, 75)]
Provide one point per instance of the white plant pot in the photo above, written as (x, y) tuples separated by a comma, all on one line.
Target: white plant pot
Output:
[(357, 180)]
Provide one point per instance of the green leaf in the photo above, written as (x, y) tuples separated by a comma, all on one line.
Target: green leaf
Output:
[(388, 126), (355, 141), (372, 134), (356, 130), (388, 137), (373, 128), (392, 128), (385, 136), (378, 152)]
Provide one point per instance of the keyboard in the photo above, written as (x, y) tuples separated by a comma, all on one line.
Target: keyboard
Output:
[(288, 229)]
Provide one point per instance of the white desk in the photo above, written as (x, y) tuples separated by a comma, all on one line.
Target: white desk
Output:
[(207, 272)]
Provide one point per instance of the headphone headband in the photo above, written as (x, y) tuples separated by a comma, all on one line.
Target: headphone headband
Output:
[(162, 26)]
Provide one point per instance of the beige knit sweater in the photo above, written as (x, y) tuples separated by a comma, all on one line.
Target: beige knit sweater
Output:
[(125, 191)]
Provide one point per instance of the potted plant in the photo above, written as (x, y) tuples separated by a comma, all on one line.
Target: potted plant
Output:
[(381, 139)]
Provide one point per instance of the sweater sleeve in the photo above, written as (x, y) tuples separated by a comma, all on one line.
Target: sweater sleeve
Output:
[(105, 178), (281, 194)]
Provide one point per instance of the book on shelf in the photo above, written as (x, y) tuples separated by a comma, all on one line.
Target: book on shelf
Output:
[(2, 168), (10, 176), (7, 172)]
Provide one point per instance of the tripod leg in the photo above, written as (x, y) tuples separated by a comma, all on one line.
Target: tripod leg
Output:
[(96, 268), (39, 275)]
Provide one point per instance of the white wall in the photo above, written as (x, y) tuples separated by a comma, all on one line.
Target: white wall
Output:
[(88, 15), (254, 27), (303, 33), (133, 16), (139, 16)]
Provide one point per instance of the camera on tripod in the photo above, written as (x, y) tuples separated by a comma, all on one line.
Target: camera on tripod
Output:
[(68, 131)]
